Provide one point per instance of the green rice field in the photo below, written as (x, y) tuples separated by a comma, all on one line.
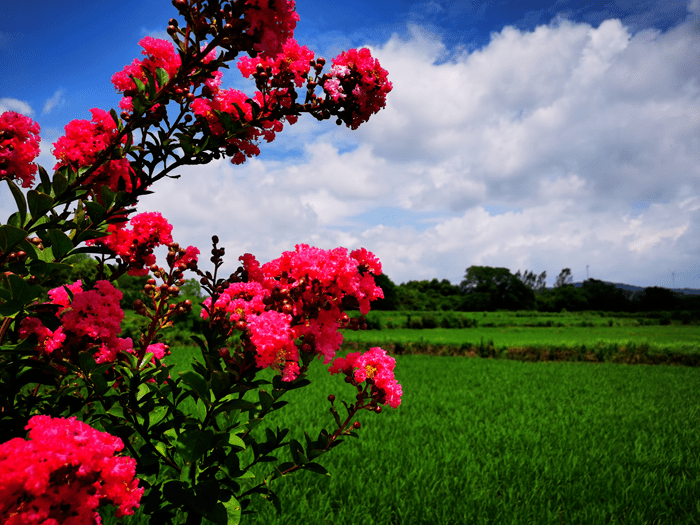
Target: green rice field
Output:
[(499, 441), (672, 337)]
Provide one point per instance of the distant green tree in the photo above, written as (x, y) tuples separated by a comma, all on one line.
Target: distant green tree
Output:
[(390, 294), (655, 298), (504, 289), (604, 296), (564, 278)]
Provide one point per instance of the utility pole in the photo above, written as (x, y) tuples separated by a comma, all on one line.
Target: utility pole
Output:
[(586, 272)]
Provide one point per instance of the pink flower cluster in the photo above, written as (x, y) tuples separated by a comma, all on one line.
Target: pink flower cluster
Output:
[(159, 54), (293, 60), (299, 296), (272, 22), (357, 79), (83, 142), (19, 146), (91, 318), (63, 473), (135, 246), (375, 366)]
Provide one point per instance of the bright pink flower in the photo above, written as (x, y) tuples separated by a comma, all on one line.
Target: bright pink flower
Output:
[(376, 366), (159, 54), (60, 295), (19, 146), (272, 22), (84, 141), (63, 473), (358, 85), (48, 341), (149, 230), (293, 60), (95, 313), (272, 336), (240, 300)]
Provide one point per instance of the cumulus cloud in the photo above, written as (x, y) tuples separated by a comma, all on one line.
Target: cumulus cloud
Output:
[(531, 152), (18, 106)]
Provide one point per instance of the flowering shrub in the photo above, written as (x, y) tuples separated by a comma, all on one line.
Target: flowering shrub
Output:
[(196, 442), (63, 473)]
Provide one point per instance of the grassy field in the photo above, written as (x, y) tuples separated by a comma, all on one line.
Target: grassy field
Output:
[(483, 441), (676, 337), (498, 441)]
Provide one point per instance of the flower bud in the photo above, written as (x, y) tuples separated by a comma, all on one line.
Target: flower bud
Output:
[(356, 425)]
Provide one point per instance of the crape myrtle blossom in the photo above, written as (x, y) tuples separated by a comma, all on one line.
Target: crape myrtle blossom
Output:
[(301, 296), (272, 22), (374, 366), (91, 318), (83, 142), (63, 473), (135, 245), (19, 146), (358, 84)]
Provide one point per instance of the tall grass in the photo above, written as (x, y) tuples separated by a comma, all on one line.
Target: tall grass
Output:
[(497, 441)]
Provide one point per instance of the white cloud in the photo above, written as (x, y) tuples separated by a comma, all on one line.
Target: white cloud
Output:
[(54, 101), (18, 106), (565, 129)]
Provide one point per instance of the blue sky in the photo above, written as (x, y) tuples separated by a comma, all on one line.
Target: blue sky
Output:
[(530, 135)]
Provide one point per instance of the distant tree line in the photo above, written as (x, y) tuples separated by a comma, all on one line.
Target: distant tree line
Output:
[(483, 289), (487, 289)]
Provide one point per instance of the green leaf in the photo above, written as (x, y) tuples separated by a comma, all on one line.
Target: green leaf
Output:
[(45, 180), (162, 76), (60, 243), (266, 400), (139, 85), (116, 119), (117, 411), (315, 467), (87, 362), (158, 414), (235, 441), (60, 184), (10, 236), (142, 391), (39, 203), (107, 196), (20, 290), (297, 452), (19, 199), (193, 443), (198, 384), (95, 211), (233, 511)]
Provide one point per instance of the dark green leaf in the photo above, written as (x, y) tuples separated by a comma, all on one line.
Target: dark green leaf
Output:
[(10, 236), (87, 362), (45, 180), (266, 400), (315, 467), (107, 196), (297, 451), (19, 199), (60, 184), (60, 243), (193, 443), (95, 211), (39, 203), (198, 384)]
